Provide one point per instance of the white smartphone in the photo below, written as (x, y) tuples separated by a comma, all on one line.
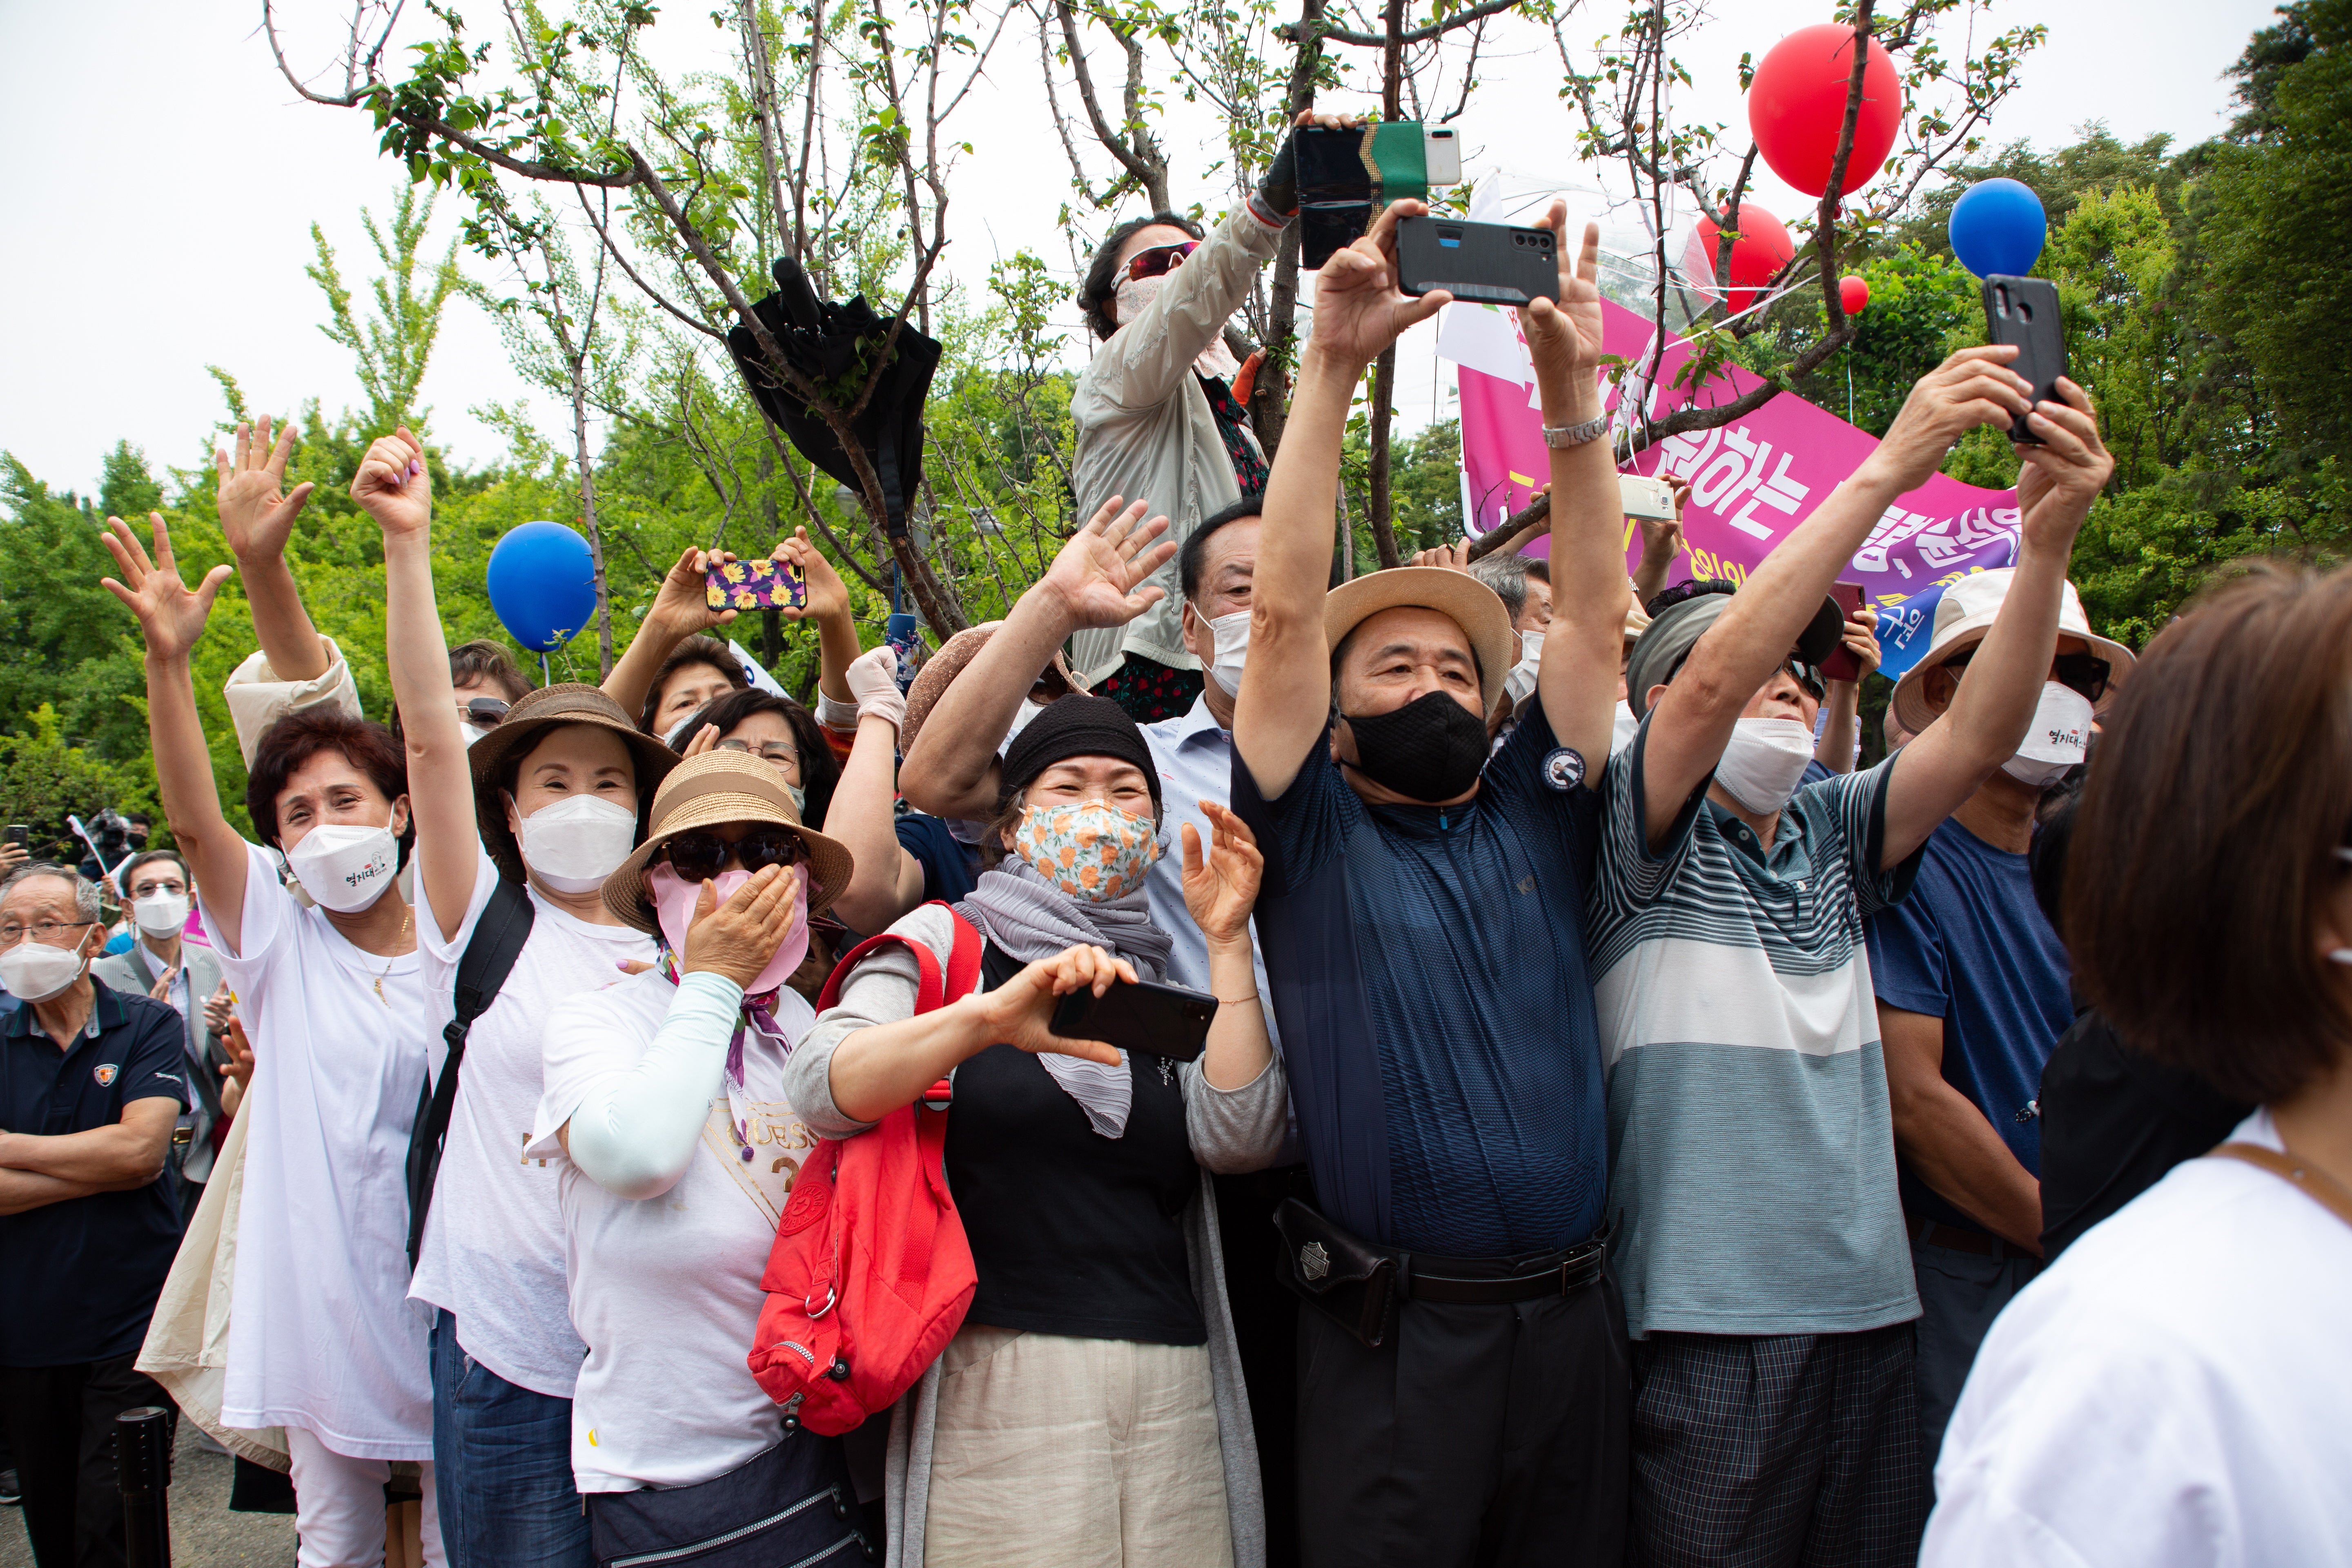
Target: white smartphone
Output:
[(1440, 150), (1644, 497)]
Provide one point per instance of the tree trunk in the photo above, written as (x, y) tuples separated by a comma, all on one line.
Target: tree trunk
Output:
[(588, 517), (1270, 401), (1376, 500)]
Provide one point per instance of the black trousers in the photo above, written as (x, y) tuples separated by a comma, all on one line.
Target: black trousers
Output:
[(1485, 1436), (60, 1422), (1265, 1335)]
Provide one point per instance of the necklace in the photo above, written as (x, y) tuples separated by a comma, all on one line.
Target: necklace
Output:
[(377, 982)]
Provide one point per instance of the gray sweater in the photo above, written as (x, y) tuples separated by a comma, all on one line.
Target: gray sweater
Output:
[(1230, 1130)]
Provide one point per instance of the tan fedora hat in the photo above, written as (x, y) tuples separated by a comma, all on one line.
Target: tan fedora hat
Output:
[(938, 672), (1963, 616), (525, 723), (1457, 596), (710, 790)]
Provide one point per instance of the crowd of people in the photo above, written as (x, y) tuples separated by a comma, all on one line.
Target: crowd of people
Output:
[(1627, 1130)]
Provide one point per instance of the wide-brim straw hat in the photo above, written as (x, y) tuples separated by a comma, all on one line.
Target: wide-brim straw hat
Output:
[(938, 672), (1963, 616), (1457, 596), (708, 791), (526, 724)]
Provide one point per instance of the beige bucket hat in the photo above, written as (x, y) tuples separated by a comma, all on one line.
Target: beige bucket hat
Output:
[(704, 792)]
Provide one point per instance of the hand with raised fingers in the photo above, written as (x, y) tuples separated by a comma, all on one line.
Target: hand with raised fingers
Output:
[(1097, 577), (1358, 309), (1453, 557), (873, 677), (1975, 386), (703, 739), (1662, 540), (1021, 1012), (827, 594), (2058, 480), (392, 486), (737, 938), (1565, 338), (682, 606), (171, 613), (1221, 888), (257, 518), (219, 1009), (239, 1069)]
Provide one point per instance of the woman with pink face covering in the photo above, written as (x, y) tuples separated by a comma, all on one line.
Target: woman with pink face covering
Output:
[(664, 1109)]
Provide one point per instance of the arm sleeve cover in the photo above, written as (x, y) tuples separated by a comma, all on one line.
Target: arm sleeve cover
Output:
[(635, 1130)]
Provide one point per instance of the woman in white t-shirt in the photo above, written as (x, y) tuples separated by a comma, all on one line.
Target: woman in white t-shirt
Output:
[(665, 1116), (542, 806), (321, 1340), (2176, 1391)]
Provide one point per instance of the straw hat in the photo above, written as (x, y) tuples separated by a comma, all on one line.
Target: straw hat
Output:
[(1457, 596), (708, 791), (525, 725), (938, 672), (1965, 614)]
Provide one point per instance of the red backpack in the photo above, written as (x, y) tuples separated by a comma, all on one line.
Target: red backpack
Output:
[(870, 1273)]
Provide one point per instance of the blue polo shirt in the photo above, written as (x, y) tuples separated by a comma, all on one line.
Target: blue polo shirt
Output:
[(1428, 969), (82, 1275)]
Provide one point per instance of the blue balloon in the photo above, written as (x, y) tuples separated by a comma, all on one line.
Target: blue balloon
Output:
[(542, 584), (1997, 227)]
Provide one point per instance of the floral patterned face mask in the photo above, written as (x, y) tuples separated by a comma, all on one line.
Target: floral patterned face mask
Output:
[(1091, 852)]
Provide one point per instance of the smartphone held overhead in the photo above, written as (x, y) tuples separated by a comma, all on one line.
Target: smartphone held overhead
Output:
[(1644, 497), (1844, 663), (1482, 263), (755, 585), (2024, 311)]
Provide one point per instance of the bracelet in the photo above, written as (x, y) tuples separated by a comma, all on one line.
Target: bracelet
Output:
[(1558, 436), (1236, 1001)]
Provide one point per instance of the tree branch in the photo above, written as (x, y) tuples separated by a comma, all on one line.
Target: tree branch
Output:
[(1288, 32)]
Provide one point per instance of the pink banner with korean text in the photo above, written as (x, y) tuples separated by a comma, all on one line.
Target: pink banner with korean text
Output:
[(1752, 480)]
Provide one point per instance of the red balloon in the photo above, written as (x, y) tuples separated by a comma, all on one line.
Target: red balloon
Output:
[(1853, 294), (1797, 103), (1763, 248)]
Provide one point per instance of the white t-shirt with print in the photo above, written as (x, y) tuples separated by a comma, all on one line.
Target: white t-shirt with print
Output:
[(493, 1251), (666, 1290), (322, 1334), (2174, 1392)]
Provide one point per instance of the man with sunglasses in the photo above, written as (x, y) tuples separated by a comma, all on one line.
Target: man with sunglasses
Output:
[(1972, 988)]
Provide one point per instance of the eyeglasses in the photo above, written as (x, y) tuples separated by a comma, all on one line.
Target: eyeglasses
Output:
[(149, 889), (486, 711), (2085, 674), (1160, 261), (780, 753), (698, 857), (47, 931)]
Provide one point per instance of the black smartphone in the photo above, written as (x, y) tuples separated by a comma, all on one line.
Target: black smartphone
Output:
[(1158, 1020), (1335, 191), (1486, 263), (19, 835), (2024, 311)]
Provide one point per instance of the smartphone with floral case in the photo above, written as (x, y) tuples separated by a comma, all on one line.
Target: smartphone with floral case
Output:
[(755, 585)]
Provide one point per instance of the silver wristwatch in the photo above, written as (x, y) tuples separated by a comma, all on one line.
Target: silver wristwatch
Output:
[(1560, 436)]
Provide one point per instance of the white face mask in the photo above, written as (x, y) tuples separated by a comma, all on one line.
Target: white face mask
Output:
[(345, 869), (1621, 727), (1520, 681), (573, 845), (1136, 294), (472, 731), (35, 972), (161, 915), (2059, 737), (1763, 761), (1020, 722), (1229, 647)]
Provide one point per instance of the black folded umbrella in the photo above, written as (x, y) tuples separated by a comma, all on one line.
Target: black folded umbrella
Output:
[(834, 346)]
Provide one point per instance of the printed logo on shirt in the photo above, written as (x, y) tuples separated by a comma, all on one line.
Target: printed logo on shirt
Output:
[(106, 1073), (779, 1140)]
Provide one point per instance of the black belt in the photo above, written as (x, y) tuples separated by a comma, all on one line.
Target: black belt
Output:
[(1575, 1270)]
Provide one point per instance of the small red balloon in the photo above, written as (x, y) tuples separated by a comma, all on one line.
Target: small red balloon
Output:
[(1797, 103), (1763, 248), (1853, 294)]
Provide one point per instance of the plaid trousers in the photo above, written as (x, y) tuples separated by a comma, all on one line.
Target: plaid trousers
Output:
[(1792, 1451)]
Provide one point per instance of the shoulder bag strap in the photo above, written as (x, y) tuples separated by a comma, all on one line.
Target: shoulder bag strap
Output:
[(2315, 1184)]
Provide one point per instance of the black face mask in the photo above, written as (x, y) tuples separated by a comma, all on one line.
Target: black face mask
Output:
[(1429, 750)]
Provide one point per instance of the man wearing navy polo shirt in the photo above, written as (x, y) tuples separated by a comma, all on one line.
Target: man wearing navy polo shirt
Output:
[(1463, 1384), (91, 1087)]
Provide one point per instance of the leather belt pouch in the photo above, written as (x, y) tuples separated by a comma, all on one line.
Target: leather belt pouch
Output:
[(1340, 1275)]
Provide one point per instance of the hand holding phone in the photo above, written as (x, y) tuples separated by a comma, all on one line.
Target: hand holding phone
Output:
[(1143, 1015), (1487, 263), (754, 585), (2024, 311), (1843, 663)]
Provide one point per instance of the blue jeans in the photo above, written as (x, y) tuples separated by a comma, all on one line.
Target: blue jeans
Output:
[(503, 1467)]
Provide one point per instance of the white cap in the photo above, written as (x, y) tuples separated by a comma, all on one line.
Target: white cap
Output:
[(1965, 614)]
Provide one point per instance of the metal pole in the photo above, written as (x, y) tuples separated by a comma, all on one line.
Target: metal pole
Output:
[(142, 1465)]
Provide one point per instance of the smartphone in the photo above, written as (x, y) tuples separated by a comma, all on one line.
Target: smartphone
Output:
[(2024, 311), (1641, 496), (1441, 154), (1842, 664), (755, 585), (1158, 1020), (1335, 191), (19, 835), (1486, 263)]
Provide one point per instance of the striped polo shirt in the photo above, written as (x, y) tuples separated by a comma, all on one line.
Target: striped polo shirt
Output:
[(1750, 1146)]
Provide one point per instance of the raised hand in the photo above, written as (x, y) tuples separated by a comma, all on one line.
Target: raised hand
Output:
[(737, 938), (162, 990), (1020, 1012), (1358, 309), (218, 1010), (392, 486), (171, 614), (872, 678), (1566, 337), (239, 1069), (2058, 480), (703, 739), (1221, 889), (1861, 638), (1975, 386), (682, 608), (1095, 576), (253, 516), (827, 594), (1453, 557)]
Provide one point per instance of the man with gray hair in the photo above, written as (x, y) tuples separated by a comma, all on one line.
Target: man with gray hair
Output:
[(91, 1084)]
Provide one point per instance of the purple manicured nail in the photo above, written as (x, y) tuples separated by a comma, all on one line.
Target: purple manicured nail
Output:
[(415, 467)]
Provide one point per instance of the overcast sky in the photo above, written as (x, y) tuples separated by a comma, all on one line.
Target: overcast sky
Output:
[(166, 179)]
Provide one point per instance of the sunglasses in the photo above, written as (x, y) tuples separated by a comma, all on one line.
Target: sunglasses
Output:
[(486, 711), (1808, 676), (698, 857), (2084, 673), (1160, 261)]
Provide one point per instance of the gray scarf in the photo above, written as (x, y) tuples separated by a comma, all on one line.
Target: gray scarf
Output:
[(1030, 919)]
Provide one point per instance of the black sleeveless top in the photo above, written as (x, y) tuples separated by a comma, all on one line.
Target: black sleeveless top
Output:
[(1072, 1233)]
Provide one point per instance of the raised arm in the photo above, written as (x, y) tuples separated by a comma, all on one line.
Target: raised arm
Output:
[(171, 618), (680, 609), (1575, 681), (1981, 731), (257, 521), (1662, 541), (1286, 695), (393, 487), (950, 771), (828, 606), (1754, 635), (1834, 749), (887, 881), (1221, 884)]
